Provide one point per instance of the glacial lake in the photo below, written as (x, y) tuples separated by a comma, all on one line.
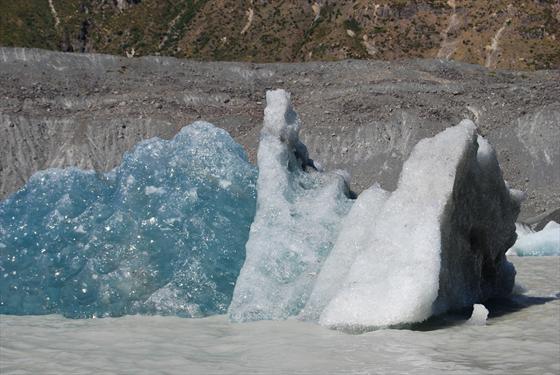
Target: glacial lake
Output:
[(520, 337)]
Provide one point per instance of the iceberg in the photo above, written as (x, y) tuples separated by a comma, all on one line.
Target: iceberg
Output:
[(299, 209), (542, 243), (437, 243), (162, 233), (188, 227)]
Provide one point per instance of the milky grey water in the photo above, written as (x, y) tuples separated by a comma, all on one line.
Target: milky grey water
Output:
[(518, 341)]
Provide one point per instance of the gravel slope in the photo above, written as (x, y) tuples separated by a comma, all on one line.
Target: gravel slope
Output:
[(60, 109)]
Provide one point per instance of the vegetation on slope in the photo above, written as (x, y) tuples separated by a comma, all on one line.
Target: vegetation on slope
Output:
[(497, 33)]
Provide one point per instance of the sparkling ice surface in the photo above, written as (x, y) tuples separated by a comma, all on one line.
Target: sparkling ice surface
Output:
[(162, 233)]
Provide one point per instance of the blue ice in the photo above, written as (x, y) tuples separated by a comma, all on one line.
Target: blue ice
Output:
[(163, 233)]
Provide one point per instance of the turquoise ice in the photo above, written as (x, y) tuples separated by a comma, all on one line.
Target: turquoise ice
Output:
[(162, 233), (545, 242)]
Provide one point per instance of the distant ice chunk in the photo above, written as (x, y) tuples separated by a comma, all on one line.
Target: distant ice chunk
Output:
[(437, 243), (521, 229), (543, 242), (162, 233), (479, 315), (296, 224)]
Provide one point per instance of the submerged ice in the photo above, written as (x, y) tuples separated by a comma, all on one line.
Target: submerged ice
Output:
[(162, 233)]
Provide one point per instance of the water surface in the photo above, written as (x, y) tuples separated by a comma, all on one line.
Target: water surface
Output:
[(523, 337)]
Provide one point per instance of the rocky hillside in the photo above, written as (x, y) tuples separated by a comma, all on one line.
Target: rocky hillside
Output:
[(496, 34)]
